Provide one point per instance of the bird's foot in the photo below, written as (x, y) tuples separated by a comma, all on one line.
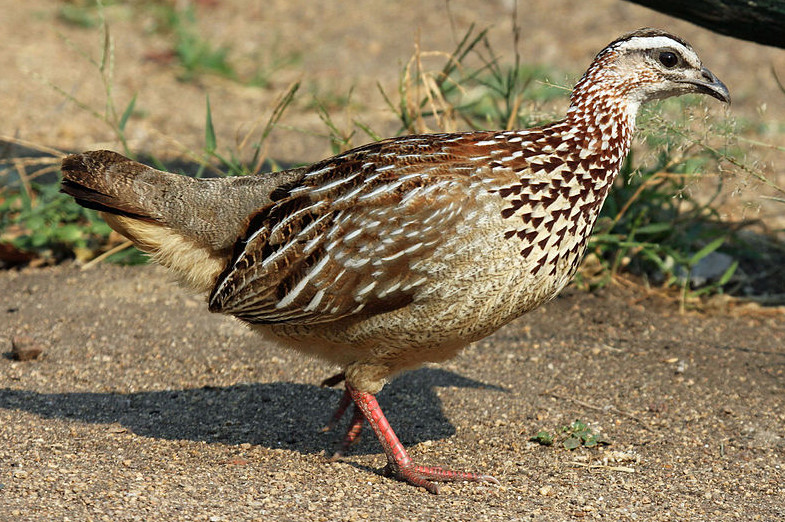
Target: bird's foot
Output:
[(425, 476), (399, 464)]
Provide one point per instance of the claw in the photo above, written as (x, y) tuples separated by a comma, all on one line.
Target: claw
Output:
[(399, 465), (425, 476)]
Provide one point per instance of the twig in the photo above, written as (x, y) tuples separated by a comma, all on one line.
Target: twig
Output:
[(604, 410), (32, 145), (23, 178), (122, 246), (625, 469)]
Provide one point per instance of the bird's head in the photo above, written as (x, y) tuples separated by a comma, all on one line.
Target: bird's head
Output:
[(648, 64)]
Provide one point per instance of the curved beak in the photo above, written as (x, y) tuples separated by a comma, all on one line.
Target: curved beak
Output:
[(711, 85)]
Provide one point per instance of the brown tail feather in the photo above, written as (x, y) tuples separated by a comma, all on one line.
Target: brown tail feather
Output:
[(95, 200), (149, 207), (101, 180), (188, 225)]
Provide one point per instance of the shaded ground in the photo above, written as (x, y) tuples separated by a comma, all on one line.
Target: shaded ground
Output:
[(145, 405)]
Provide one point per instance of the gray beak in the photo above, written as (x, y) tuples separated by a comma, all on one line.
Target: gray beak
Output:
[(711, 85)]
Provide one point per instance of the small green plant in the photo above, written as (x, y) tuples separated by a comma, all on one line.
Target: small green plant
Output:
[(652, 225), (255, 139), (80, 14), (50, 226), (572, 436), (35, 218), (195, 54), (110, 115), (471, 88), (543, 438)]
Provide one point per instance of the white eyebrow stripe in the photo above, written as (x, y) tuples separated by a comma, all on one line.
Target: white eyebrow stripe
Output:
[(637, 43)]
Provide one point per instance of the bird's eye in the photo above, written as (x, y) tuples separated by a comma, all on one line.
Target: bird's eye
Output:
[(668, 59)]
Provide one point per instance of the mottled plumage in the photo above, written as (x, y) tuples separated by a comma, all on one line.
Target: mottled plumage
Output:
[(405, 250)]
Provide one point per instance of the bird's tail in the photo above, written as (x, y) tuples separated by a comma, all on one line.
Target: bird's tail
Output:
[(108, 182), (188, 225)]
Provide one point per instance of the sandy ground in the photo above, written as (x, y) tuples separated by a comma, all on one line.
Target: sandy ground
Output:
[(144, 406)]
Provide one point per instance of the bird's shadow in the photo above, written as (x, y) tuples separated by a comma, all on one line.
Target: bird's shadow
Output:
[(274, 415)]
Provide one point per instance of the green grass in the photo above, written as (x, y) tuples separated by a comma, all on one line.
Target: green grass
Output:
[(575, 435), (178, 22), (652, 224), (196, 54)]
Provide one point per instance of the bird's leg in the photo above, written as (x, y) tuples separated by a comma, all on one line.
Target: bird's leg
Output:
[(334, 380), (346, 400), (355, 425), (352, 434), (399, 464)]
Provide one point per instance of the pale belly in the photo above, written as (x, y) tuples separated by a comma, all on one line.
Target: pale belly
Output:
[(473, 290)]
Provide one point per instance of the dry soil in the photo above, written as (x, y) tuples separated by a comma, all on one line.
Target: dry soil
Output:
[(143, 406)]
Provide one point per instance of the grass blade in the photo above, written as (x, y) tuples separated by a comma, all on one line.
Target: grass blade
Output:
[(126, 114), (708, 249), (210, 142)]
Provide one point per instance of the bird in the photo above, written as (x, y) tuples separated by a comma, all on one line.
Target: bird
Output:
[(402, 251)]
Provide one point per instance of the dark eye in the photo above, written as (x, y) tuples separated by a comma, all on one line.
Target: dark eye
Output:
[(668, 59)]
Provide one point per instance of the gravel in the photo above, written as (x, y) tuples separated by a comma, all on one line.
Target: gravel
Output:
[(145, 406)]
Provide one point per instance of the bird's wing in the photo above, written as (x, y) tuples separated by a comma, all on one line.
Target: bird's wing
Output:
[(344, 238)]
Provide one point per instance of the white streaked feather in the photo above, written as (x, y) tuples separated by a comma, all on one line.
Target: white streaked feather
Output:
[(315, 301), (293, 294)]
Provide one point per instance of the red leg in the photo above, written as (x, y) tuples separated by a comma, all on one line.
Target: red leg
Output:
[(355, 425), (399, 464), (352, 434), (346, 400)]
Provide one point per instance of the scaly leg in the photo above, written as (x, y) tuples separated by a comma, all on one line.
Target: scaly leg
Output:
[(399, 464), (346, 400), (355, 425)]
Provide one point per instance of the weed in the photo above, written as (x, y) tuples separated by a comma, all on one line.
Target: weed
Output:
[(651, 224), (572, 436), (110, 115), (543, 438), (50, 225), (255, 139), (471, 88), (35, 218), (80, 14), (197, 55)]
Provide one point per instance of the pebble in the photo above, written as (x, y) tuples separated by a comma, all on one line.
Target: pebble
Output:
[(25, 348), (547, 491)]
